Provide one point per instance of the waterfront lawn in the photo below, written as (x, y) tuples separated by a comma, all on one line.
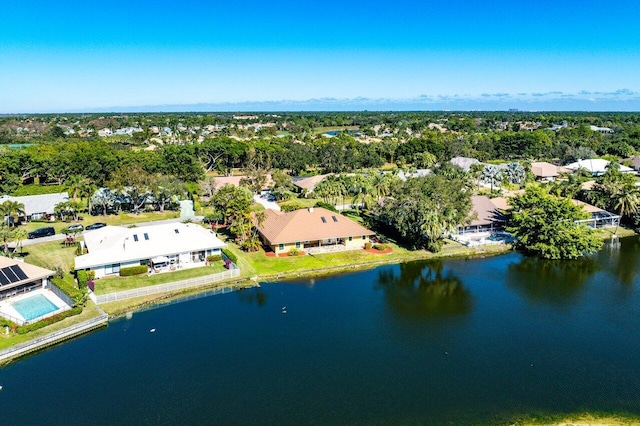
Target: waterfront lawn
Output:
[(90, 311), (258, 264), (112, 284)]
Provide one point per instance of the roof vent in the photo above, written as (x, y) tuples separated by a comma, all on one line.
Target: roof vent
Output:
[(310, 209)]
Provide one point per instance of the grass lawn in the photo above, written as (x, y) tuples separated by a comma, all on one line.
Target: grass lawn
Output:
[(302, 202), (50, 255), (113, 219), (258, 264), (113, 284), (90, 311)]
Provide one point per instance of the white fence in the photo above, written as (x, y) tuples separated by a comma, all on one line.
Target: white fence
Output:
[(165, 288), (53, 337)]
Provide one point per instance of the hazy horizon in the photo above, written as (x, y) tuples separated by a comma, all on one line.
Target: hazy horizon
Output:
[(74, 56)]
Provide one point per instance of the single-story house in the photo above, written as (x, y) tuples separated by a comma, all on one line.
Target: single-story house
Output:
[(21, 277), (310, 228), (464, 163), (544, 171), (635, 161), (308, 183), (596, 166), (487, 216), (38, 206), (168, 245), (599, 218)]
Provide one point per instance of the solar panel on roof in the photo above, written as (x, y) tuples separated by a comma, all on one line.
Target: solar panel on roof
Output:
[(19, 272), (3, 279), (10, 274)]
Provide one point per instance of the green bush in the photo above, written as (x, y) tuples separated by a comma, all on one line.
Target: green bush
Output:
[(38, 190), (291, 207), (367, 245), (326, 206), (232, 257), (214, 258), (68, 286), (381, 247), (48, 321), (82, 279), (294, 251), (133, 270)]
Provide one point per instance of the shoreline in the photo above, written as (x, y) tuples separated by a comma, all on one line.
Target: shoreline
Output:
[(115, 310)]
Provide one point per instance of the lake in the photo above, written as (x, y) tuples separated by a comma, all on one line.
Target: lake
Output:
[(457, 341)]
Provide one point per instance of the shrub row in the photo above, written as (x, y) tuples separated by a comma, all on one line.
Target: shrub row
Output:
[(48, 321), (67, 286), (232, 257), (133, 270), (214, 258)]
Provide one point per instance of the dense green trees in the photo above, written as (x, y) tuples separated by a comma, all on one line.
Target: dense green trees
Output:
[(545, 225), (423, 210)]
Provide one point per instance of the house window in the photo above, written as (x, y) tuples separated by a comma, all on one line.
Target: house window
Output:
[(135, 237), (364, 237), (112, 269), (146, 236), (298, 244), (350, 238), (280, 246)]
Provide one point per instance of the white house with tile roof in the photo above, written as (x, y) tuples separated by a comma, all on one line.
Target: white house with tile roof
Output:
[(175, 245)]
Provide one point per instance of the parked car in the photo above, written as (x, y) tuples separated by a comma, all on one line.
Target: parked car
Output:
[(76, 227), (96, 225), (41, 232)]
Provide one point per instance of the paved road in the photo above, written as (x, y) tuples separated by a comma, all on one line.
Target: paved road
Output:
[(61, 237)]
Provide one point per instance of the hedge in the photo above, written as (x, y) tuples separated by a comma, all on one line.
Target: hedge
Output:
[(327, 206), (24, 329), (133, 270), (82, 279), (232, 257), (214, 258)]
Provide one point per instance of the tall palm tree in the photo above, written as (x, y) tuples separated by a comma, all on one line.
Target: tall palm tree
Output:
[(625, 201)]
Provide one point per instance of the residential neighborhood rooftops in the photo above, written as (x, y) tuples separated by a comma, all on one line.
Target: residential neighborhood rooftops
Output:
[(542, 169), (464, 162), (485, 210), (308, 182), (597, 166), (308, 225)]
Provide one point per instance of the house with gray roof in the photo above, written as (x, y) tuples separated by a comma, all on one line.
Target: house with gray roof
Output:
[(38, 206)]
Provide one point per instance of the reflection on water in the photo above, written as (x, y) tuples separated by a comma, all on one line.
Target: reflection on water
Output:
[(422, 290), (252, 295), (623, 258), (550, 281)]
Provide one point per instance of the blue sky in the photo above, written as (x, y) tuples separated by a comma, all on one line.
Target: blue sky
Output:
[(314, 55)]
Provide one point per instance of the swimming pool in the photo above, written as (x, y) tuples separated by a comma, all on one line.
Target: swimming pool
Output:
[(34, 307)]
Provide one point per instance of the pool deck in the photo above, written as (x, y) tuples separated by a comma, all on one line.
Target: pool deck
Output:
[(6, 305)]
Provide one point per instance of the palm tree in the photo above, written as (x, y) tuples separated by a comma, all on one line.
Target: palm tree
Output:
[(11, 211), (625, 201), (492, 175)]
